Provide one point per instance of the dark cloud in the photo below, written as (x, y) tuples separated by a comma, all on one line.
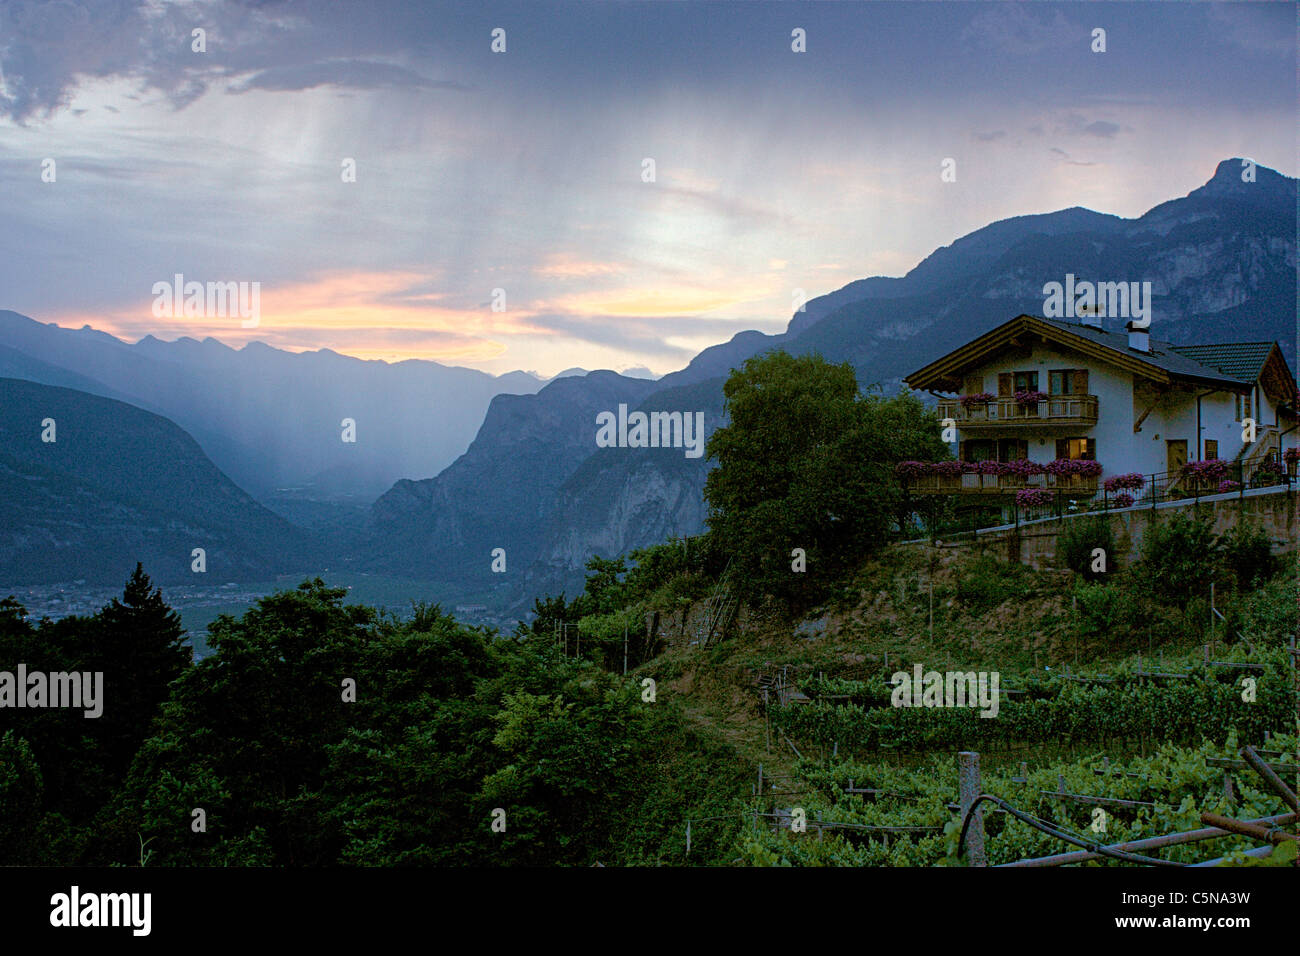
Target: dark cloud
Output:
[(1102, 128)]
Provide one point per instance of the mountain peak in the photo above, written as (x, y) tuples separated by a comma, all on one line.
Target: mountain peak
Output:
[(1227, 183)]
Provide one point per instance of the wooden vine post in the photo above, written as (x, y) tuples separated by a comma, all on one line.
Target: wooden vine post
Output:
[(968, 786)]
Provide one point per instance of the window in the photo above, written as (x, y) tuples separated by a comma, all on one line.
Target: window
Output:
[(1243, 407), (1013, 449), (1076, 448), (1211, 448), (1026, 381), (978, 449), (1067, 381)]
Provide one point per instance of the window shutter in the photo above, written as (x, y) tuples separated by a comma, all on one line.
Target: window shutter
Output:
[(1080, 381), (1062, 448), (974, 384), (961, 451), (1006, 384)]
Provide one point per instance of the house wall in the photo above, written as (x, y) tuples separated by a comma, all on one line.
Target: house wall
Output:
[(1113, 387), (1120, 402)]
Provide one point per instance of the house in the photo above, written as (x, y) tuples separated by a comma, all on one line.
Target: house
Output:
[(1042, 390)]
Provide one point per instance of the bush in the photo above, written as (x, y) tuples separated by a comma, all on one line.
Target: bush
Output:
[(1110, 610), (1179, 557), (1248, 554), (1077, 541), (987, 582)]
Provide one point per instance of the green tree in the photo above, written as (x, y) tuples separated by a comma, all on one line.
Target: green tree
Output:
[(21, 811), (808, 462), (139, 644)]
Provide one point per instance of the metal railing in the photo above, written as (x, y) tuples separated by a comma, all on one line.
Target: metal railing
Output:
[(1240, 477)]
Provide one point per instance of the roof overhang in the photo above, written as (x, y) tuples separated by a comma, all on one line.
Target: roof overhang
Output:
[(945, 374), (1276, 379)]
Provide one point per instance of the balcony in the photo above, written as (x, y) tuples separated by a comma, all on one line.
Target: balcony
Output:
[(1080, 485), (1079, 411)]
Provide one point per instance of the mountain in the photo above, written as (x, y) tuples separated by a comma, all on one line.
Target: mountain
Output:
[(119, 485), (1221, 262), (272, 419), (499, 493)]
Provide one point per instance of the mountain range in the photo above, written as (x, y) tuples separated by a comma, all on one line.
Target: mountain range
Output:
[(271, 419), (532, 481), (1222, 263), (91, 485)]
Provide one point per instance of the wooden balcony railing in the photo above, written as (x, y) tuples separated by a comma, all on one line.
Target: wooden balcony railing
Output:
[(1056, 410)]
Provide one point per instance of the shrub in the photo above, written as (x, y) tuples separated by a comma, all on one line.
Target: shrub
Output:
[(987, 582), (1108, 610), (1248, 554), (1179, 557), (1077, 541), (979, 398)]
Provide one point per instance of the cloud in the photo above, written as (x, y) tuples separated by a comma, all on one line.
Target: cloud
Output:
[(991, 135), (352, 74), (1067, 159), (1260, 27), (1102, 128), (1011, 28)]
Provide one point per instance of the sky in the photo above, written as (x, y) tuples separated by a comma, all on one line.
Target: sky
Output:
[(775, 172)]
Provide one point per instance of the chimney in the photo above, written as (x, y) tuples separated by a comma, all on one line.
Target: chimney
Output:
[(1138, 340)]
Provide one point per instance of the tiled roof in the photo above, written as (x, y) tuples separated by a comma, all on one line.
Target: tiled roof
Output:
[(1244, 360), (1165, 355)]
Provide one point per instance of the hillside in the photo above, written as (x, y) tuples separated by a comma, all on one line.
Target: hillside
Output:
[(1220, 258), (269, 418), (121, 485)]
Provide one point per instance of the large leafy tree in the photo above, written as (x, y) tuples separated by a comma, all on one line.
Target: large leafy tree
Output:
[(807, 462)]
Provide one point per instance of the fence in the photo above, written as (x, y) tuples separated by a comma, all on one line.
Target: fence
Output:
[(1237, 477)]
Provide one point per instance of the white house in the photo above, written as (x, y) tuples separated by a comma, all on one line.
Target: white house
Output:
[(1120, 398)]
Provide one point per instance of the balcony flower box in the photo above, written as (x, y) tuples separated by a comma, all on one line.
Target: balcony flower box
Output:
[(979, 398)]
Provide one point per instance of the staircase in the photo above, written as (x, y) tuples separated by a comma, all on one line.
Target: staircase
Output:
[(1267, 444)]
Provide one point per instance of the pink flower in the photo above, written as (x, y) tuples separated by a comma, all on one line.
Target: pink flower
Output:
[(1132, 480), (1033, 497)]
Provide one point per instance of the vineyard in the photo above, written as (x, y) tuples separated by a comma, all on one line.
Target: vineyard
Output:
[(1253, 696), (880, 814)]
